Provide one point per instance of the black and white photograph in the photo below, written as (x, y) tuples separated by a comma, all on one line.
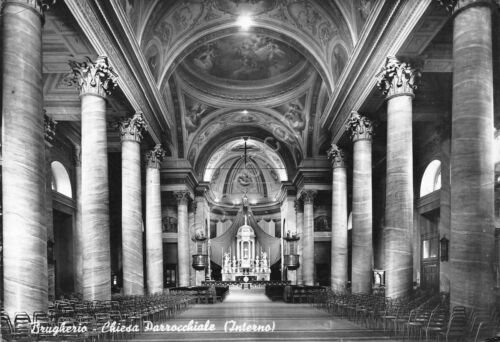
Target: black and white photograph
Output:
[(250, 170)]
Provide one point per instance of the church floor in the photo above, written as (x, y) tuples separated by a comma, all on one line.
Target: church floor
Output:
[(251, 309)]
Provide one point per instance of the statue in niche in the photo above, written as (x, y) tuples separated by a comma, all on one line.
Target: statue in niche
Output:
[(193, 117), (294, 116), (205, 60)]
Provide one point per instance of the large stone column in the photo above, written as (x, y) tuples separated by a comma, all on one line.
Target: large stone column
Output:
[(94, 81), (299, 212), (154, 240), (23, 154), (308, 237), (183, 257), (192, 243), (131, 131), (78, 233), (362, 242), (472, 169), (49, 134), (397, 83), (339, 250)]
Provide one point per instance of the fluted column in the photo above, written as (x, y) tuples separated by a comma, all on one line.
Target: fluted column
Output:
[(78, 233), (308, 237), (131, 131), (94, 81), (299, 212), (339, 250), (472, 169), (361, 130), (397, 81), (23, 154), (154, 240), (183, 258)]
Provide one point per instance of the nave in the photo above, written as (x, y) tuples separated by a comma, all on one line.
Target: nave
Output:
[(291, 322)]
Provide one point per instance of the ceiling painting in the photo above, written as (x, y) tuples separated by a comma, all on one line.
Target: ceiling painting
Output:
[(244, 56)]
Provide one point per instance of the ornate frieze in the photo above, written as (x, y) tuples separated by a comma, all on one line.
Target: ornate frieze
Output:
[(336, 156), (397, 78), (49, 126), (155, 156), (360, 127), (96, 78), (308, 196), (131, 129)]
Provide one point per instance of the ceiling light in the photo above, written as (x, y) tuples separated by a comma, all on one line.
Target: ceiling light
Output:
[(245, 112), (244, 21)]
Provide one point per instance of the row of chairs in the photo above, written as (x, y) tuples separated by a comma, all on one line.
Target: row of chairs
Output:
[(414, 318), (90, 321)]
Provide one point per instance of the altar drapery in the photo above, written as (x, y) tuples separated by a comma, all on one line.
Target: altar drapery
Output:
[(269, 244)]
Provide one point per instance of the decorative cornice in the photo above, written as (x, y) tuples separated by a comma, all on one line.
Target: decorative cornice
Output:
[(397, 78), (182, 197), (308, 196), (361, 128), (94, 78), (155, 156), (336, 156), (49, 126), (132, 129)]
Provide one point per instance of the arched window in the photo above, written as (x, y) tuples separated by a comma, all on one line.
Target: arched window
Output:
[(431, 181), (60, 179), (349, 222)]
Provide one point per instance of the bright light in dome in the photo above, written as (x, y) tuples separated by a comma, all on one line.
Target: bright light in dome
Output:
[(244, 21), (245, 112)]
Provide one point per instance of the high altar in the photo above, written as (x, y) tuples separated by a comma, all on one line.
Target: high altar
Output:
[(247, 262)]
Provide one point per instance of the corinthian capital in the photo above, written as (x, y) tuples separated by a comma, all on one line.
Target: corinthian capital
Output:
[(397, 78), (131, 129), (182, 197), (155, 156), (308, 196), (94, 78), (336, 156), (360, 127), (453, 6)]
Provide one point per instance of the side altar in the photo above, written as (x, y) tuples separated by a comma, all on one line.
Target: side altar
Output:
[(246, 263)]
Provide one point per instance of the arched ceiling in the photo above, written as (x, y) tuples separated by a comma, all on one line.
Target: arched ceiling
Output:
[(270, 82), (245, 166)]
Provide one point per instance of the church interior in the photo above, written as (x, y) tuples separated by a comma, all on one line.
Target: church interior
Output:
[(339, 157)]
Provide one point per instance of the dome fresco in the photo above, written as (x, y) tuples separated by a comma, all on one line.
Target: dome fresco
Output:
[(244, 56)]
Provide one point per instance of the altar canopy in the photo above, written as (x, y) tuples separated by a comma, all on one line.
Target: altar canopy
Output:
[(222, 244)]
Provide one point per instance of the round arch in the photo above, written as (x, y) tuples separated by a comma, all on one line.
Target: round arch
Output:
[(61, 182), (431, 180), (256, 133)]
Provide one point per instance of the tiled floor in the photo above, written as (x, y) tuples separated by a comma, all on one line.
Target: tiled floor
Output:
[(252, 310)]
